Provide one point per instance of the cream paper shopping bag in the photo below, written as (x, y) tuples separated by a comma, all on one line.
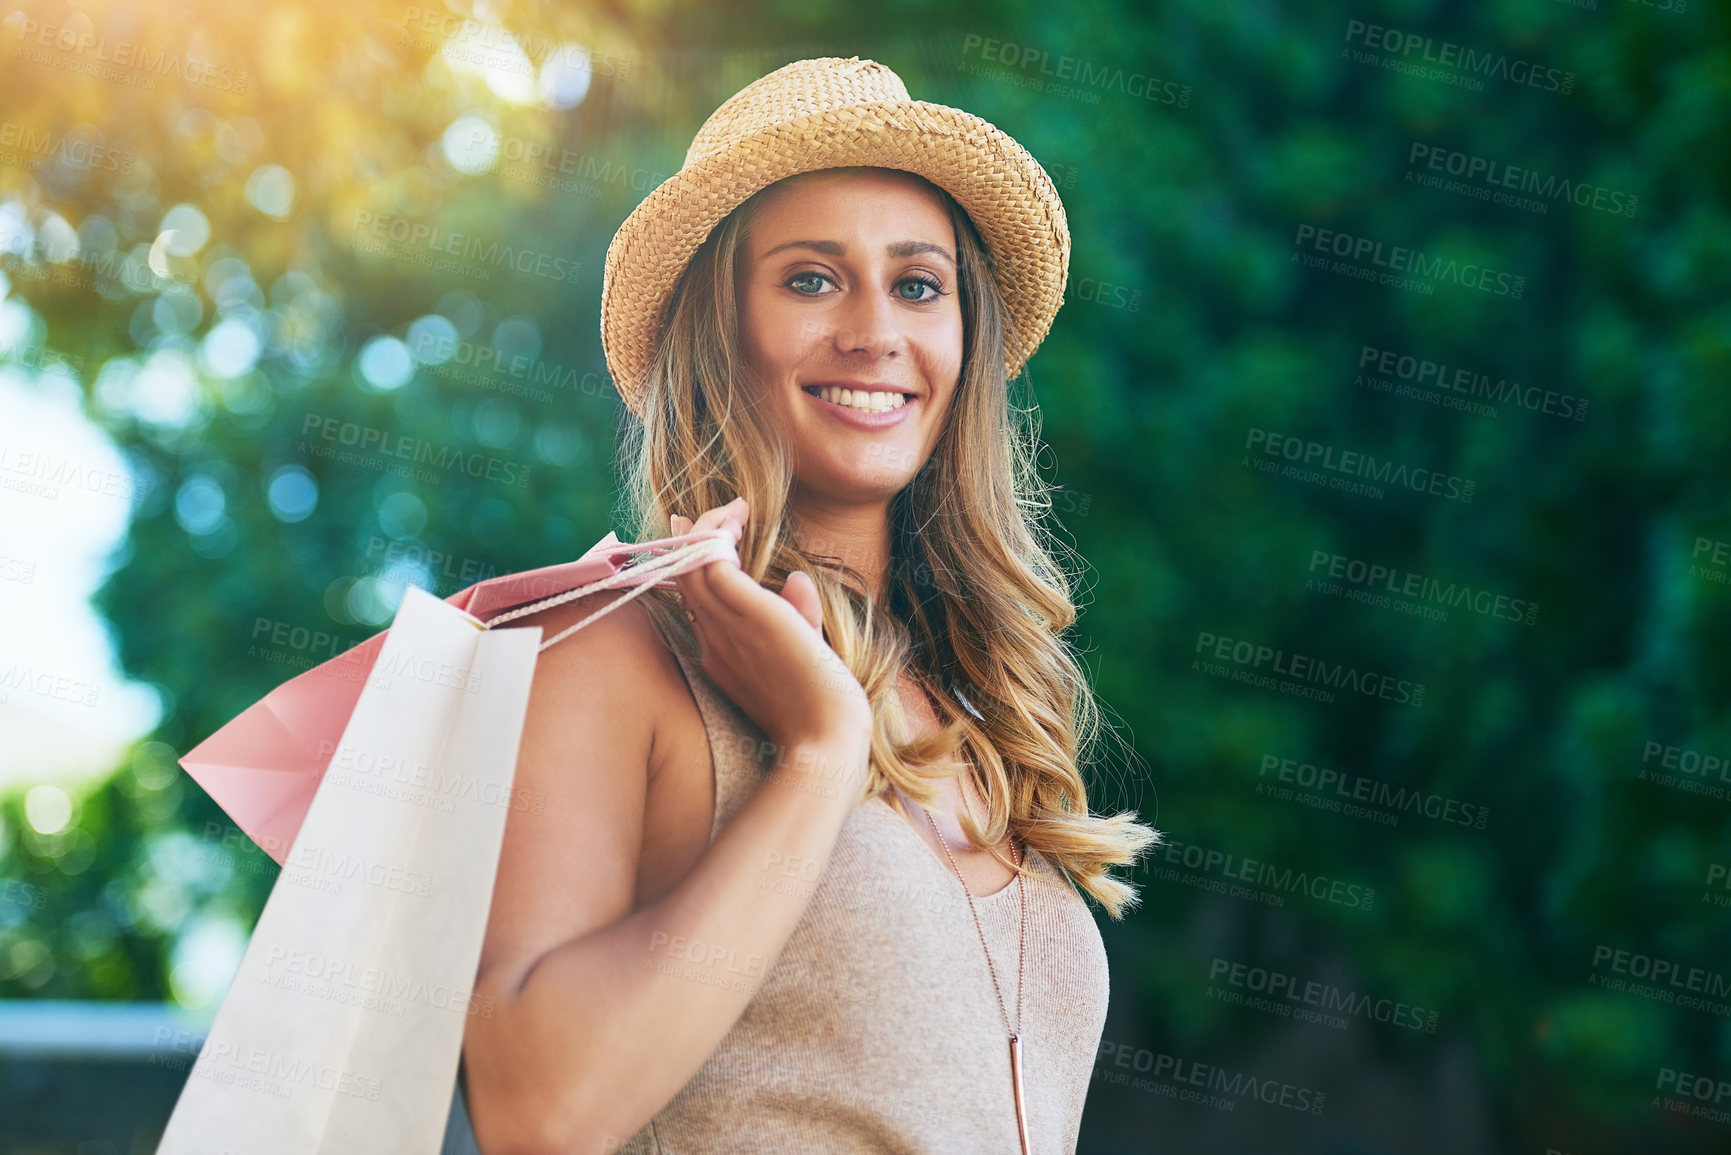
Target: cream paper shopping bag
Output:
[(342, 1029)]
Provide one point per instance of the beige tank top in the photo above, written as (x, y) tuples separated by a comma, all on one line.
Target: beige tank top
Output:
[(877, 1028)]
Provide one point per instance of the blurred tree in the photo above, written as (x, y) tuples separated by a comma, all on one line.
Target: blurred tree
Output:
[(290, 246)]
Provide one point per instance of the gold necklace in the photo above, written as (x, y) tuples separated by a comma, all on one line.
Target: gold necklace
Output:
[(1022, 958)]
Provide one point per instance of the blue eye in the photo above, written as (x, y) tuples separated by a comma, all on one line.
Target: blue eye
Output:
[(793, 282), (808, 284), (924, 283)]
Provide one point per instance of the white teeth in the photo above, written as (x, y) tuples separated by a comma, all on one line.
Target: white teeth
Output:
[(861, 400)]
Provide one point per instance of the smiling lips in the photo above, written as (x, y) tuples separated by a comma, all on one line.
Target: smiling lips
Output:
[(865, 401), (864, 408)]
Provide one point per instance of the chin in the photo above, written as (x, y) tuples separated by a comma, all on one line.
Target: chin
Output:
[(854, 484)]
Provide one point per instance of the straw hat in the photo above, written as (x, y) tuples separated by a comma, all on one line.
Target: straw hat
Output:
[(830, 113)]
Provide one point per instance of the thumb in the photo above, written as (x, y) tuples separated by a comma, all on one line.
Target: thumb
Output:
[(802, 595)]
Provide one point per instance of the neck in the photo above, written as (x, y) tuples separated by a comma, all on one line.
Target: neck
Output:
[(857, 534)]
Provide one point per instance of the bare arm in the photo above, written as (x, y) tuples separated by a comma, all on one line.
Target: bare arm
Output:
[(594, 1016), (607, 1027)]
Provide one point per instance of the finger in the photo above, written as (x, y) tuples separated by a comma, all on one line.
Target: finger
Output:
[(714, 517), (682, 525), (707, 522), (698, 588), (802, 594), (735, 511), (731, 518), (691, 595), (725, 517), (695, 585), (729, 589), (695, 618)]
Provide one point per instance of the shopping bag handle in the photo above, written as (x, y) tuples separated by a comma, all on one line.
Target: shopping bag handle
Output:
[(669, 556)]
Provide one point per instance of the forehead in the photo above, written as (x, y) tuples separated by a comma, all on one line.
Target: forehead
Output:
[(871, 201)]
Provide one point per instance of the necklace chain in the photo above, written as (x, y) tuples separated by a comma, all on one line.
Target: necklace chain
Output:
[(1022, 947), (1015, 1039), (1022, 894)]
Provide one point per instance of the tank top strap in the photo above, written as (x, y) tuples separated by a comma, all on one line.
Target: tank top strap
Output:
[(740, 751)]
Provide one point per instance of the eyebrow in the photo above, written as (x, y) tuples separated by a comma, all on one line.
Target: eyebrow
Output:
[(837, 249)]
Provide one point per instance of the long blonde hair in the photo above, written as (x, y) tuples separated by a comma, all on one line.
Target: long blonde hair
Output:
[(972, 595)]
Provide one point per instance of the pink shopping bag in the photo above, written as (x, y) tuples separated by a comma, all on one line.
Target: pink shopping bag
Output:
[(264, 767)]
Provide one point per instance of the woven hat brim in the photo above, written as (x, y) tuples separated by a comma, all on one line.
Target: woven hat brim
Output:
[(1003, 189)]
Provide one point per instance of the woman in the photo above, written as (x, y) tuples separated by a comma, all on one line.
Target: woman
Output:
[(805, 876)]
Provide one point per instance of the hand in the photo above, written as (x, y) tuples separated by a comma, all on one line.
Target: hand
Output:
[(766, 651)]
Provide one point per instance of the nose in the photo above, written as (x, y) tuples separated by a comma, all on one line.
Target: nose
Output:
[(866, 326)]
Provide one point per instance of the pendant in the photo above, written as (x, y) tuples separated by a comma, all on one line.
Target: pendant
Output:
[(1016, 1082)]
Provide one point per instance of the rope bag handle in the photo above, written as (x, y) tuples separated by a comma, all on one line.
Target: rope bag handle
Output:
[(668, 557)]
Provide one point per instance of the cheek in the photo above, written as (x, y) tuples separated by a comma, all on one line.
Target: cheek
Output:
[(941, 350), (754, 326), (774, 336)]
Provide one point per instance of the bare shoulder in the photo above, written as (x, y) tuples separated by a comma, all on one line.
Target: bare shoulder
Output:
[(618, 666), (620, 649)]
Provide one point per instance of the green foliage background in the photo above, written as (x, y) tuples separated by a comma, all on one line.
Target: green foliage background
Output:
[(1192, 324)]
